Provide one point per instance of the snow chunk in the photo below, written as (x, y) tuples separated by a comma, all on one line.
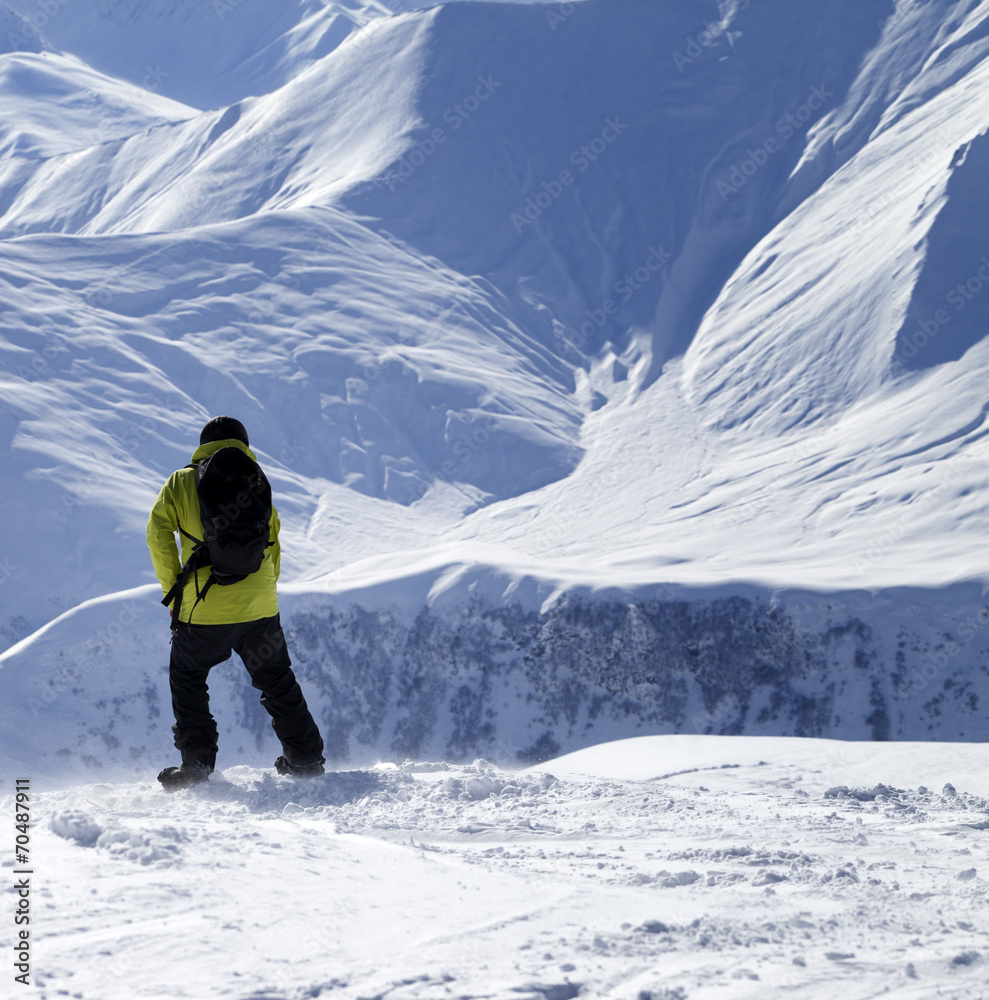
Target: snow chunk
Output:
[(966, 958), (863, 794), (145, 847), (678, 879), (73, 824)]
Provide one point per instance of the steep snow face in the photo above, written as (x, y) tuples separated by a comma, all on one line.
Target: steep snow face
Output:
[(604, 201), (328, 129), (856, 282), (63, 106), (948, 314)]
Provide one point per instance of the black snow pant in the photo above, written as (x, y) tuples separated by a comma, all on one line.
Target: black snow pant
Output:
[(261, 645)]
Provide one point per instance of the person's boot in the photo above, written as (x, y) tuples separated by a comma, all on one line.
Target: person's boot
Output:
[(189, 774), (197, 766), (300, 769)]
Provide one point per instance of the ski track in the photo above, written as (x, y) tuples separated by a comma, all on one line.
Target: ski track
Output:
[(434, 881)]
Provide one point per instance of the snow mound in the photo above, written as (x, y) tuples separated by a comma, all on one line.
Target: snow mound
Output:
[(456, 661)]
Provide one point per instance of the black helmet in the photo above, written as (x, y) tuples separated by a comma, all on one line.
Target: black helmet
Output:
[(222, 428)]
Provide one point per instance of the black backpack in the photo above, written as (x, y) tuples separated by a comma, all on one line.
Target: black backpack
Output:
[(235, 509)]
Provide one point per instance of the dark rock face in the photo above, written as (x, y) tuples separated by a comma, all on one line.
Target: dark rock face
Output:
[(520, 680), (520, 685)]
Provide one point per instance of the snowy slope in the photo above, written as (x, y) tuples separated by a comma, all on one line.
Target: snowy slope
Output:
[(625, 301), (648, 868), (206, 55), (64, 106)]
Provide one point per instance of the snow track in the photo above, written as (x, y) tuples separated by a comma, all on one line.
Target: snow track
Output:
[(428, 881)]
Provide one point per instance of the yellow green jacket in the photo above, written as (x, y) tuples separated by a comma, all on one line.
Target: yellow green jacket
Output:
[(177, 504)]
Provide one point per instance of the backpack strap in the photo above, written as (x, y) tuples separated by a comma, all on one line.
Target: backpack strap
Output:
[(201, 594), (198, 559)]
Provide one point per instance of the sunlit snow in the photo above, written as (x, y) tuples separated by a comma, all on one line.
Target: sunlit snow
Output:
[(620, 370)]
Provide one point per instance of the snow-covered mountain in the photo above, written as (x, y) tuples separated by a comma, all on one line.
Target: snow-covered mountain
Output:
[(619, 366)]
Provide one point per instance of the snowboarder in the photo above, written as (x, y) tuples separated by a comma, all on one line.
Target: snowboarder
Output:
[(222, 597)]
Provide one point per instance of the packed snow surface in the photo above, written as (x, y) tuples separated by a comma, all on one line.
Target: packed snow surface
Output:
[(682, 868)]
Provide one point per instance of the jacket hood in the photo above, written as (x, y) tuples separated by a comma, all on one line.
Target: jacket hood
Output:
[(205, 450)]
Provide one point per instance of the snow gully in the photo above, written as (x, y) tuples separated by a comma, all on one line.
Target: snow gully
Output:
[(624, 289)]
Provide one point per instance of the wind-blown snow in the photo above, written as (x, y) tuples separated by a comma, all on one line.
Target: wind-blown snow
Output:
[(663, 867)]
